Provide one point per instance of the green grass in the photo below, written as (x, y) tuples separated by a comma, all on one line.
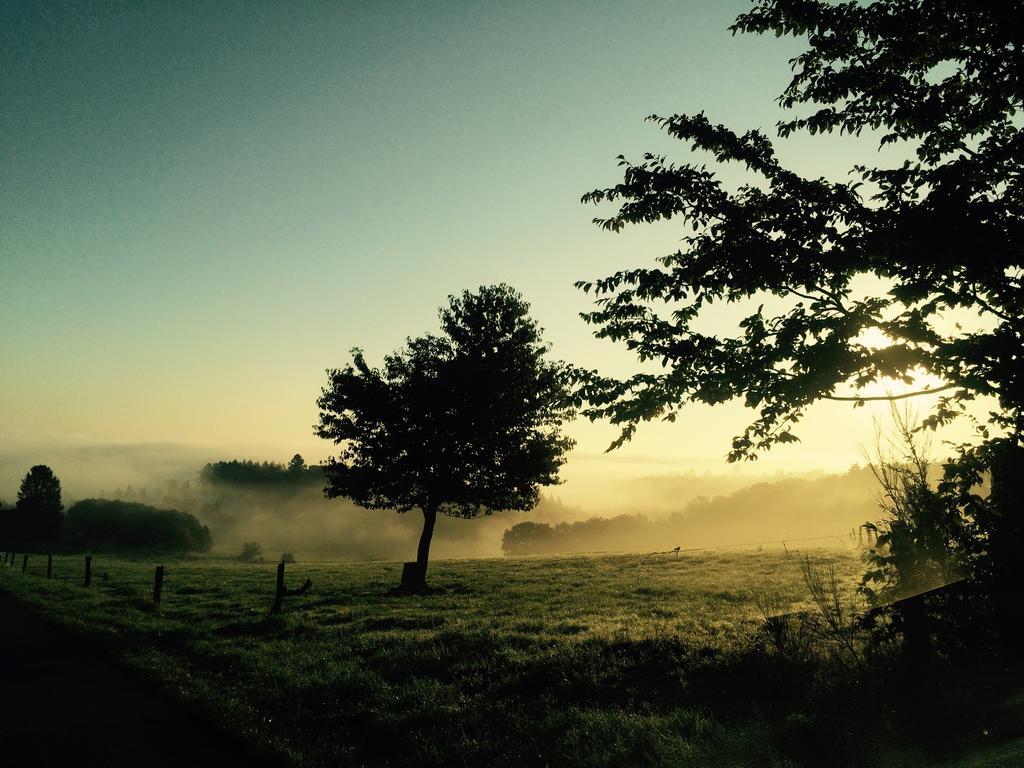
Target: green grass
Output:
[(575, 661)]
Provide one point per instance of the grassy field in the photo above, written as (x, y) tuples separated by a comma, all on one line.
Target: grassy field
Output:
[(571, 661)]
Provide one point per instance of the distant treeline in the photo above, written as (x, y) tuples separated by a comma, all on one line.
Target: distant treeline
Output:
[(226, 494), (106, 525), (265, 474), (596, 533), (109, 526), (830, 505)]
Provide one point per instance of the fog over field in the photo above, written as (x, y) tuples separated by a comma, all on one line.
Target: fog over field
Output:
[(643, 512)]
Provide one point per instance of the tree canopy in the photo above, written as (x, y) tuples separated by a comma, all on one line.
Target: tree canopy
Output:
[(462, 423), (926, 253), (906, 251)]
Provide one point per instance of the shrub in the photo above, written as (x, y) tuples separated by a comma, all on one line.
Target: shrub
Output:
[(251, 552)]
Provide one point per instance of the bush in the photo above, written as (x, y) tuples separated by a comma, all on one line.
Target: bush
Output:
[(251, 552), (287, 557), (105, 525)]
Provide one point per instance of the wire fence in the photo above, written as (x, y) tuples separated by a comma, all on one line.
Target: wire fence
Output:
[(11, 560)]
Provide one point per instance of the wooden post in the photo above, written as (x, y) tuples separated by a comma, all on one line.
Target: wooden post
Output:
[(49, 566), (158, 584), (88, 570), (916, 635), (279, 592), (24, 563)]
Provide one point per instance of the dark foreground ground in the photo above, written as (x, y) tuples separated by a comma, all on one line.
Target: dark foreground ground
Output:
[(599, 661), (61, 700)]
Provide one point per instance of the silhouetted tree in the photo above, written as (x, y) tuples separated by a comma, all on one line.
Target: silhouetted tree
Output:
[(463, 424), (899, 250), (297, 465), (39, 508), (528, 539)]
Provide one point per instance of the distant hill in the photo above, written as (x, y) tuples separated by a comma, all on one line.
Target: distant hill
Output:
[(786, 509)]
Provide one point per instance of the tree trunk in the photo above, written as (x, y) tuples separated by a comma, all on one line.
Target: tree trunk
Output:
[(414, 575), (1005, 542), (423, 552)]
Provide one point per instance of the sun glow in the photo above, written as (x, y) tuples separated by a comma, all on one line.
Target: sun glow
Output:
[(918, 380)]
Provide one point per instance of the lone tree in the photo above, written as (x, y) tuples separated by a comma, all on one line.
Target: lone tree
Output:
[(297, 465), (39, 509), (462, 424), (929, 253)]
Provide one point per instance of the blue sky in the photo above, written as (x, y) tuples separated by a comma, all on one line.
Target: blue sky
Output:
[(207, 204)]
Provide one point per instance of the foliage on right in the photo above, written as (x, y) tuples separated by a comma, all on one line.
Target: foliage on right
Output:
[(817, 264)]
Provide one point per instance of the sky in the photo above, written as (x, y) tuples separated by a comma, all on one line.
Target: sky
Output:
[(205, 205)]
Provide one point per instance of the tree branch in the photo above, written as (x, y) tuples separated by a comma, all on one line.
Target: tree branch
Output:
[(988, 307), (826, 295), (904, 396)]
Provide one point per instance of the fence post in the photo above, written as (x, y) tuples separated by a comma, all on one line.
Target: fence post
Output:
[(24, 563), (279, 592), (158, 584), (88, 570), (49, 566)]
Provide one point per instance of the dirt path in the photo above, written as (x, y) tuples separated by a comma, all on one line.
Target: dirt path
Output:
[(62, 700)]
